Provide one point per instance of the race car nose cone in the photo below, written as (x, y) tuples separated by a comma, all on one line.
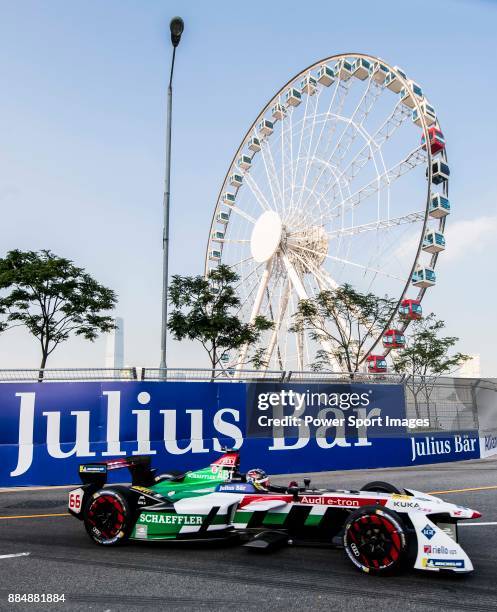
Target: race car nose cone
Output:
[(475, 514)]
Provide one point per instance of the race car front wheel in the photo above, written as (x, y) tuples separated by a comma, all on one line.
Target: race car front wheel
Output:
[(108, 518), (376, 540)]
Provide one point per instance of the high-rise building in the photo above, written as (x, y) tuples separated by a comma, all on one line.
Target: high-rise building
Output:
[(114, 350)]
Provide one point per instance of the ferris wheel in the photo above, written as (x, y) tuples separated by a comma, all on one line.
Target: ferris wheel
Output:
[(341, 178)]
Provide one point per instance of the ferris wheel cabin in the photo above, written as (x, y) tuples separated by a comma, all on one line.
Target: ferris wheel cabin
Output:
[(228, 198), (436, 138), (439, 206), (440, 171), (376, 364), (278, 111), (433, 242), (244, 162), (410, 310), (215, 255), (343, 69), (423, 277), (293, 97), (394, 339), (380, 72), (407, 94), (427, 111), (361, 68), (393, 82), (223, 217), (326, 75), (254, 144), (308, 85), (236, 180), (265, 127), (217, 236)]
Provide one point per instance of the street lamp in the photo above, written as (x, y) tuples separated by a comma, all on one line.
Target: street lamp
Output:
[(176, 27)]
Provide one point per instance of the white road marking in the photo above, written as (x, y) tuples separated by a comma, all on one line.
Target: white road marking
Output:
[(476, 524), (25, 554)]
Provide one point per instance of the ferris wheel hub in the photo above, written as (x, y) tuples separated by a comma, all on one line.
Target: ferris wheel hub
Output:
[(309, 244), (266, 236)]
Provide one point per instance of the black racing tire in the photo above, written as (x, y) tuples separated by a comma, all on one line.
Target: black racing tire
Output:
[(108, 518), (376, 541), (379, 486)]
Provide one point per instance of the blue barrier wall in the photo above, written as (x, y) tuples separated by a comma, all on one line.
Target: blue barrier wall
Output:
[(47, 430)]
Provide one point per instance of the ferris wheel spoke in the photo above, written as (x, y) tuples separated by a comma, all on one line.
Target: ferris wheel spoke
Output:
[(318, 208), (282, 159), (373, 144), (355, 264), (292, 170), (302, 129), (340, 92), (384, 132), (257, 193), (233, 241), (385, 224), (339, 96), (316, 98), (347, 136), (271, 174), (362, 110), (415, 158), (336, 108), (241, 262), (241, 213), (313, 102), (243, 283)]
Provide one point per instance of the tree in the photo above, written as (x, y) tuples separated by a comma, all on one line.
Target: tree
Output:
[(426, 357), (52, 298), (205, 310), (345, 320)]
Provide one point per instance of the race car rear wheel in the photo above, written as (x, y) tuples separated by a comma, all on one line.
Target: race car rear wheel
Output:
[(108, 518), (376, 540), (380, 487)]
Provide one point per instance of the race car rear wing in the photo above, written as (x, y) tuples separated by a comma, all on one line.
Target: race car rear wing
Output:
[(141, 473), (139, 467)]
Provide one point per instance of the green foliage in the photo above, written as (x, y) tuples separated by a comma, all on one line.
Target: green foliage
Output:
[(346, 319), (425, 353), (52, 298), (205, 311), (424, 359)]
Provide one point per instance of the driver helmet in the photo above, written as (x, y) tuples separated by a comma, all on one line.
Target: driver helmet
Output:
[(258, 478)]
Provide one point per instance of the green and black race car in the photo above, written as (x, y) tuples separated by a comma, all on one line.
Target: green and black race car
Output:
[(381, 528)]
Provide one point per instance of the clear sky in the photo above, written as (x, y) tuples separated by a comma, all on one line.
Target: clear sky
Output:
[(82, 122)]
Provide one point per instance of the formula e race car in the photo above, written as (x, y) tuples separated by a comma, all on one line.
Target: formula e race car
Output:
[(381, 529)]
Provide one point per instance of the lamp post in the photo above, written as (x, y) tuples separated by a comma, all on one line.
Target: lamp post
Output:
[(176, 27)]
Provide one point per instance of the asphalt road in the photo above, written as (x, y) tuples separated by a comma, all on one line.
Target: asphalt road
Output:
[(62, 559)]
